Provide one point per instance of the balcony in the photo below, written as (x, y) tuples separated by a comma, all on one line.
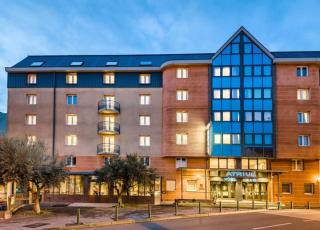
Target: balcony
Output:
[(109, 128), (108, 149), (108, 107)]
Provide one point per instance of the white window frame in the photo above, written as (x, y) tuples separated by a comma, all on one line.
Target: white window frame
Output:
[(191, 187), (300, 70), (71, 119), (31, 139), (182, 73), (303, 144), (145, 78), (31, 99), (73, 98), (144, 120), (306, 117), (145, 99), (181, 162), (31, 119), (71, 140), (71, 160), (182, 95), (182, 117), (171, 185), (297, 165), (32, 79), (181, 139), (71, 78), (300, 94), (108, 78), (145, 160), (144, 141)]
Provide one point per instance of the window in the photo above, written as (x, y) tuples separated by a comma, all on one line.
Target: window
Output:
[(217, 116), (235, 139), (303, 94), (31, 119), (71, 119), (223, 163), (226, 71), (71, 78), (36, 63), (72, 99), (182, 95), (216, 94), (302, 71), (262, 164), (244, 163), (181, 162), (257, 116), (31, 140), (145, 79), (144, 141), (235, 93), (71, 161), (111, 63), (226, 93), (267, 116), (191, 185), (235, 116), (108, 78), (303, 117), (248, 116), (217, 72), (31, 99), (32, 79), (287, 188), (226, 116), (182, 73), (145, 161), (217, 138), (248, 93), (182, 117), (145, 63), (144, 99), (297, 165), (267, 93), (181, 139), (303, 140), (257, 93), (71, 140), (308, 188), (170, 185), (253, 164), (226, 139), (144, 120), (76, 63)]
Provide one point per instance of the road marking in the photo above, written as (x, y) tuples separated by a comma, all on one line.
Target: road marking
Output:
[(271, 226)]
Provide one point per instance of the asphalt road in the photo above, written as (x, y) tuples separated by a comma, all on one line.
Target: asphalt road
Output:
[(251, 221)]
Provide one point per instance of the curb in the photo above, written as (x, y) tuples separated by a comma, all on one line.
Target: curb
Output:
[(130, 221)]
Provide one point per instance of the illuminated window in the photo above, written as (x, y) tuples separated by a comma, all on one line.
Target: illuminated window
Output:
[(226, 139), (71, 161), (191, 185), (217, 72), (144, 141), (244, 163), (226, 93), (71, 140), (223, 163), (71, 78), (303, 94), (76, 63), (226, 71), (108, 78), (217, 138), (182, 95), (144, 120), (32, 79), (145, 79), (302, 71), (31, 140), (71, 119), (235, 93), (31, 99), (303, 140), (235, 139), (216, 94), (253, 164), (182, 73), (31, 119), (182, 117), (217, 116), (181, 139), (181, 162), (226, 116), (262, 164), (231, 163), (303, 117), (170, 185), (144, 99), (297, 165)]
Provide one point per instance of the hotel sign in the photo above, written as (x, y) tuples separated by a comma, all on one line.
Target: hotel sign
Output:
[(241, 174)]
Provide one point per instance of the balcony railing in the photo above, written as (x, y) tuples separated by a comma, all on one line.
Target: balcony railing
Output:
[(107, 127), (108, 149), (108, 106)]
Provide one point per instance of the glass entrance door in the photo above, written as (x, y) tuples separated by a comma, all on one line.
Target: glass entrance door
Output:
[(257, 191), (222, 190)]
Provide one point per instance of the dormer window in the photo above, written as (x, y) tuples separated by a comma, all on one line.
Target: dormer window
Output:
[(111, 63), (76, 63), (146, 63), (36, 63)]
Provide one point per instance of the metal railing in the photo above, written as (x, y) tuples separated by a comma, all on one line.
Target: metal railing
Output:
[(108, 106), (107, 148), (108, 127)]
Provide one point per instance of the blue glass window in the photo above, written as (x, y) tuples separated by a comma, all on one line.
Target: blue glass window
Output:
[(247, 48), (235, 48), (257, 116), (267, 82), (227, 50), (235, 93), (247, 71), (225, 59), (257, 70), (235, 116), (257, 59), (257, 82), (248, 105), (235, 59), (216, 82), (258, 139), (257, 93), (267, 93), (268, 139), (237, 39), (267, 116), (248, 93), (247, 59), (256, 50), (235, 82), (267, 70), (266, 60), (247, 82), (217, 60), (235, 70), (248, 139), (248, 116), (72, 99)]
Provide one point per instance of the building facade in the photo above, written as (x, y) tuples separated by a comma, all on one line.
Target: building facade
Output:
[(240, 123)]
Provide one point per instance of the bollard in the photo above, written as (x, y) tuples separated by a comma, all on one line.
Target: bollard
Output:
[(291, 205), (308, 204), (116, 213), (199, 207), (267, 204), (176, 208), (252, 204), (149, 211), (78, 216), (220, 206), (279, 205), (237, 205)]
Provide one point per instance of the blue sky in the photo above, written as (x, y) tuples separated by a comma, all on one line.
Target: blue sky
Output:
[(150, 26)]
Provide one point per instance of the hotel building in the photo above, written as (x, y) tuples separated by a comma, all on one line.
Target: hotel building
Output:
[(240, 123)]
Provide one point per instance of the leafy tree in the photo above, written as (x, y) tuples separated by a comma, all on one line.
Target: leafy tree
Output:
[(30, 165), (122, 174)]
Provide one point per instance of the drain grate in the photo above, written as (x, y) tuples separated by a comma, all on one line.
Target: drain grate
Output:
[(35, 225)]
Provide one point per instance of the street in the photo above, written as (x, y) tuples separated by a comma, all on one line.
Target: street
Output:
[(252, 221)]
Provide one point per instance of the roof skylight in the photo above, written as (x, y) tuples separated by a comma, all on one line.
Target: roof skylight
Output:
[(36, 63), (145, 62), (76, 63), (111, 63)]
